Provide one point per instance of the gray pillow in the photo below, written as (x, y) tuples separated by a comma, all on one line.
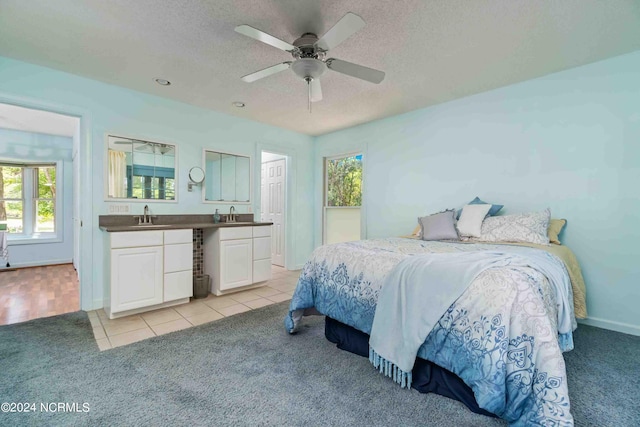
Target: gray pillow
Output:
[(440, 226)]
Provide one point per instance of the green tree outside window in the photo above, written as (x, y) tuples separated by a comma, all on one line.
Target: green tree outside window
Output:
[(344, 181)]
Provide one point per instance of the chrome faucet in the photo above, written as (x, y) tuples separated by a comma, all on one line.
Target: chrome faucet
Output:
[(232, 214), (146, 219)]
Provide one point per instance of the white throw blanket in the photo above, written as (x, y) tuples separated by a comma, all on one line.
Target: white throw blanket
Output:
[(417, 292)]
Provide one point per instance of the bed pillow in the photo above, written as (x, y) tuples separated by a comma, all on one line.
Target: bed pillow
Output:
[(440, 226), (554, 230), (477, 201), (524, 228), (470, 222)]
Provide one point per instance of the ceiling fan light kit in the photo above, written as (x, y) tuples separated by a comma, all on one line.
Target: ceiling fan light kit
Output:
[(309, 56)]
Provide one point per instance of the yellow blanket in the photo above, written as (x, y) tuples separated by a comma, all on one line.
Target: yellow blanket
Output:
[(573, 267)]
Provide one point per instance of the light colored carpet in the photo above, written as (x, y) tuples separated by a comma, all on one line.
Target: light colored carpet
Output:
[(245, 370)]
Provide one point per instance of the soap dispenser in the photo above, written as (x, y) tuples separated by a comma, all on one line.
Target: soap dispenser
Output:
[(216, 217)]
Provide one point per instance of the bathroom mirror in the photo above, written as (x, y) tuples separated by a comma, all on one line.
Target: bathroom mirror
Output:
[(140, 170), (228, 177)]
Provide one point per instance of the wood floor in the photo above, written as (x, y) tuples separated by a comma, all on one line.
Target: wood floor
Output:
[(30, 293)]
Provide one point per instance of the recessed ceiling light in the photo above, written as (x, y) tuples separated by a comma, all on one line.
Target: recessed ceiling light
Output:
[(238, 104), (162, 82)]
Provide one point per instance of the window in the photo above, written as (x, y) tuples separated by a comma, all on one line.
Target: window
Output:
[(45, 199), (150, 182), (343, 199), (28, 199), (344, 181), (11, 198)]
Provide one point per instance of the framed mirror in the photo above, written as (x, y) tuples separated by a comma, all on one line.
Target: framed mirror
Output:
[(228, 178), (140, 170)]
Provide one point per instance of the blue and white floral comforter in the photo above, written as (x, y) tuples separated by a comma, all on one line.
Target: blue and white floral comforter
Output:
[(500, 336)]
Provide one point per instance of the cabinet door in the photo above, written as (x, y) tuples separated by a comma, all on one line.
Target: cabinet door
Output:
[(178, 285), (136, 277), (262, 270), (236, 263)]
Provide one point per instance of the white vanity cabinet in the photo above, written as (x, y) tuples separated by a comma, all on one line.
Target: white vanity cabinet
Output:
[(237, 257), (147, 270)]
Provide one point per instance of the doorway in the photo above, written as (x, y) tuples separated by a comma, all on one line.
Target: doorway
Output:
[(342, 210), (39, 209), (273, 180)]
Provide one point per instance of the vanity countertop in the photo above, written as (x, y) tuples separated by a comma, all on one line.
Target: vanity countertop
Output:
[(117, 223), (116, 228)]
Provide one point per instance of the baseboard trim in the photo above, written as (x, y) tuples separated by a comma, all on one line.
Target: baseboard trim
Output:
[(299, 267), (97, 305), (40, 263), (625, 328)]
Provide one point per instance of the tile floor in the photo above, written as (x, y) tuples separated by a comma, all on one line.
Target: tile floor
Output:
[(126, 330)]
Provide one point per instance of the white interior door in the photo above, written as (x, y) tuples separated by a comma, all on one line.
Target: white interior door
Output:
[(272, 209)]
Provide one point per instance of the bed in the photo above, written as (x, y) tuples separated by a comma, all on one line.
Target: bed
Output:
[(496, 348)]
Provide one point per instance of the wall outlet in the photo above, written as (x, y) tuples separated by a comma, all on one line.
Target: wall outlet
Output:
[(120, 209), (250, 209)]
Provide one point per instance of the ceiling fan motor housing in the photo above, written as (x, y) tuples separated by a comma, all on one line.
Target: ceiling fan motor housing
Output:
[(306, 40)]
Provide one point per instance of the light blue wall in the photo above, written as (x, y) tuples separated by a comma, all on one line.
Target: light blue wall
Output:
[(111, 109), (569, 141), (37, 147)]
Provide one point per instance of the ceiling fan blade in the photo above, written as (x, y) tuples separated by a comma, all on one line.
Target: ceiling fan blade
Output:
[(355, 70), (264, 37), (316, 90), (250, 78), (344, 28)]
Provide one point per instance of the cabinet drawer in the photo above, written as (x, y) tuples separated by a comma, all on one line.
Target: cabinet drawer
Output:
[(232, 233), (171, 237), (261, 270), (134, 239), (262, 248), (178, 285), (262, 231), (178, 257)]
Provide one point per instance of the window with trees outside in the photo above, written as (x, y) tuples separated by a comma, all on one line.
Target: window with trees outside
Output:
[(344, 181), (343, 199), (28, 199)]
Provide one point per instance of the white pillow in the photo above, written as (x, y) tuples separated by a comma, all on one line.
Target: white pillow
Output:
[(527, 228), (470, 222)]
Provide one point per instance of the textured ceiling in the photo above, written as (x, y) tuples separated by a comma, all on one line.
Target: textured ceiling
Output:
[(431, 51)]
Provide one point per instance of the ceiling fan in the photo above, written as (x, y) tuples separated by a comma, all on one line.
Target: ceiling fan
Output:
[(309, 54)]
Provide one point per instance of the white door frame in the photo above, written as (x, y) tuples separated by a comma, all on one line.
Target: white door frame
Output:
[(325, 186), (284, 210), (86, 191), (290, 262)]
